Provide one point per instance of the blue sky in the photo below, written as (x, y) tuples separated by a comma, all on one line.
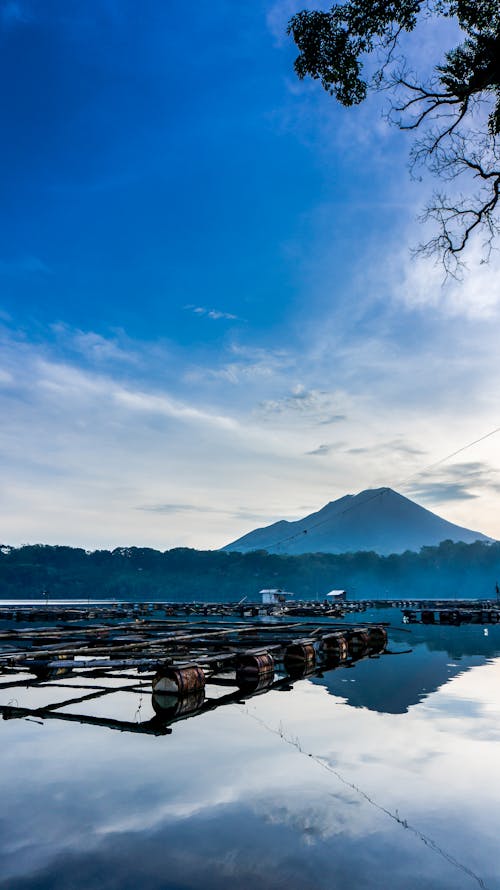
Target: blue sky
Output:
[(209, 313)]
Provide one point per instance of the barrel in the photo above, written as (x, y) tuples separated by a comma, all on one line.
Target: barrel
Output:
[(168, 706), (302, 671), (255, 669), (301, 653), (334, 647), (358, 642), (377, 638), (179, 681)]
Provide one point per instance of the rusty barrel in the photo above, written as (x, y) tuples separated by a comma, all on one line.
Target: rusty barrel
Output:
[(334, 647), (182, 680), (358, 642), (168, 706), (300, 654), (302, 671), (377, 638), (255, 669)]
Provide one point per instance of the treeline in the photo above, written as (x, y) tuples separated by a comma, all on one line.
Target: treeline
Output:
[(183, 574)]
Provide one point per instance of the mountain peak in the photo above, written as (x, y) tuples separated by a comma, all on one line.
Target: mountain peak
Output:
[(376, 519)]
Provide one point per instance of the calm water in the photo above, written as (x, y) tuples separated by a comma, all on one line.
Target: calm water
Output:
[(385, 775)]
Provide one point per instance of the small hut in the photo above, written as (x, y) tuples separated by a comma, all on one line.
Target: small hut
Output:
[(336, 596), (275, 596)]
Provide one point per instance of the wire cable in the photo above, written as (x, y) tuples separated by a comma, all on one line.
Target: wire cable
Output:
[(324, 764)]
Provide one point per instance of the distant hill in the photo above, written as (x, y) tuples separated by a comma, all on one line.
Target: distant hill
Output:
[(139, 573), (379, 520)]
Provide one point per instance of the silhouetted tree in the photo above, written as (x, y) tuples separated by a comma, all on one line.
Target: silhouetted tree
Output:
[(184, 574), (456, 111)]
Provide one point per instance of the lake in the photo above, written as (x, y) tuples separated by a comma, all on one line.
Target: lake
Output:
[(381, 775)]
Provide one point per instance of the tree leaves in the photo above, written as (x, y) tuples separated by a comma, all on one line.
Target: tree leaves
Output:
[(454, 139)]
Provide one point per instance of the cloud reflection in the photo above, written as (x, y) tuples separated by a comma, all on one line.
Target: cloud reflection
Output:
[(226, 799)]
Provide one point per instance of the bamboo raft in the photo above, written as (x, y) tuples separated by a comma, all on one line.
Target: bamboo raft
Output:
[(188, 666), (450, 614)]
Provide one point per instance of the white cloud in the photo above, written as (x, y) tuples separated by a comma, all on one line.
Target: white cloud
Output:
[(94, 346), (64, 379), (87, 444), (215, 314), (246, 364), (164, 405), (5, 377), (321, 407), (422, 285)]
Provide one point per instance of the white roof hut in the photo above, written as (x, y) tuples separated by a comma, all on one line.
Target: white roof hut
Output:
[(274, 596), (336, 596)]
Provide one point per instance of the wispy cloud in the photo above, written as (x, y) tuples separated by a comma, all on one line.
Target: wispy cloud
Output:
[(322, 450), (64, 379), (215, 314), (177, 508), (317, 404), (423, 286), (94, 346), (166, 406), (394, 446), (5, 377), (237, 513), (246, 364), (125, 443), (459, 482), (440, 492)]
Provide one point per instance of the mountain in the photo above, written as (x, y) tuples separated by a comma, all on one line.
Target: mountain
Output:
[(377, 519)]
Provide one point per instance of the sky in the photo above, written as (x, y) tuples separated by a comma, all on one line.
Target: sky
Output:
[(210, 314)]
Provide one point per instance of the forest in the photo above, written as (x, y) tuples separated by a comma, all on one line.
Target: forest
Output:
[(183, 574)]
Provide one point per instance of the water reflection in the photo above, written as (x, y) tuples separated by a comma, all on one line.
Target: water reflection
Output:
[(439, 653), (393, 685), (297, 790)]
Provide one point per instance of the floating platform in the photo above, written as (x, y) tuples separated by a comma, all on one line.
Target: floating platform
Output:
[(178, 661), (452, 615)]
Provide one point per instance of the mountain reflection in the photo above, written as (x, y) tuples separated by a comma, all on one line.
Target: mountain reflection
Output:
[(391, 684)]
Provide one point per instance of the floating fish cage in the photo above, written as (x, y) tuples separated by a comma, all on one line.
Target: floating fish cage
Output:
[(186, 665)]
